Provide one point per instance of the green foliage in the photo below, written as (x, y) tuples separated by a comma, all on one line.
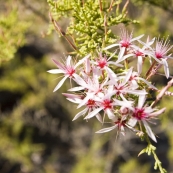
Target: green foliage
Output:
[(12, 34), (90, 22), (150, 149)]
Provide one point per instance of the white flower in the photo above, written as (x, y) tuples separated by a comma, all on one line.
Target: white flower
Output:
[(68, 69), (160, 54), (143, 114)]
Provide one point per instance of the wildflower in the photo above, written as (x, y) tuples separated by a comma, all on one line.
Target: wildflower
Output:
[(91, 85), (125, 43), (103, 62), (105, 103), (160, 54), (142, 113), (120, 124), (134, 80), (68, 69), (121, 85), (89, 106)]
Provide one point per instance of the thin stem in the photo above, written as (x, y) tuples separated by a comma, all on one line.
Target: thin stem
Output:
[(149, 74), (162, 92), (111, 5), (57, 27), (100, 4), (151, 149)]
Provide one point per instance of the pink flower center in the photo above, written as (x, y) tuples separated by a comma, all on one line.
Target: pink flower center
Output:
[(138, 53), (158, 55), (102, 63), (107, 104), (120, 123), (70, 71), (139, 113), (119, 89), (90, 103), (125, 44)]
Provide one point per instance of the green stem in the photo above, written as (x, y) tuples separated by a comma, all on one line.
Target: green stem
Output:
[(151, 149)]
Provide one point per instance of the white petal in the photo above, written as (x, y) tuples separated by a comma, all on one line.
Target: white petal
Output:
[(141, 101), (111, 46), (55, 71), (99, 117), (139, 65), (72, 96), (111, 74), (121, 53), (115, 63), (166, 68), (79, 80), (150, 85), (149, 131), (106, 129), (110, 114), (158, 112), (82, 60), (80, 114), (132, 122), (136, 92), (60, 83), (85, 100), (137, 38), (76, 89), (93, 113), (127, 77), (124, 103), (68, 62), (77, 101), (124, 57)]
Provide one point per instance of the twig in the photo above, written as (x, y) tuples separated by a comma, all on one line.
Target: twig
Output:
[(162, 92), (100, 4), (111, 5), (57, 27)]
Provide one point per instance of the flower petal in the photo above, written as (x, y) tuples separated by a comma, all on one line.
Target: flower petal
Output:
[(137, 38), (76, 89), (141, 101), (99, 117), (80, 114), (139, 65), (107, 129), (93, 113), (149, 131), (110, 114), (111, 46), (158, 112), (132, 122), (60, 83), (55, 71), (166, 68)]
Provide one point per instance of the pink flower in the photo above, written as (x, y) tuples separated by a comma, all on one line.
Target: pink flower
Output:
[(122, 87), (125, 43), (120, 124), (103, 62), (104, 102), (68, 69), (142, 113), (160, 54)]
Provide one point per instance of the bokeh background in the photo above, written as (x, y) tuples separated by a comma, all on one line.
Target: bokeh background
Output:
[(37, 134)]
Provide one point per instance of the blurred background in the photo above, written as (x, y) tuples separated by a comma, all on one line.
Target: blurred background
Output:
[(37, 134)]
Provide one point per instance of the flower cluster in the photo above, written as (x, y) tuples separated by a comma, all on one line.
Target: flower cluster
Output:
[(109, 88)]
